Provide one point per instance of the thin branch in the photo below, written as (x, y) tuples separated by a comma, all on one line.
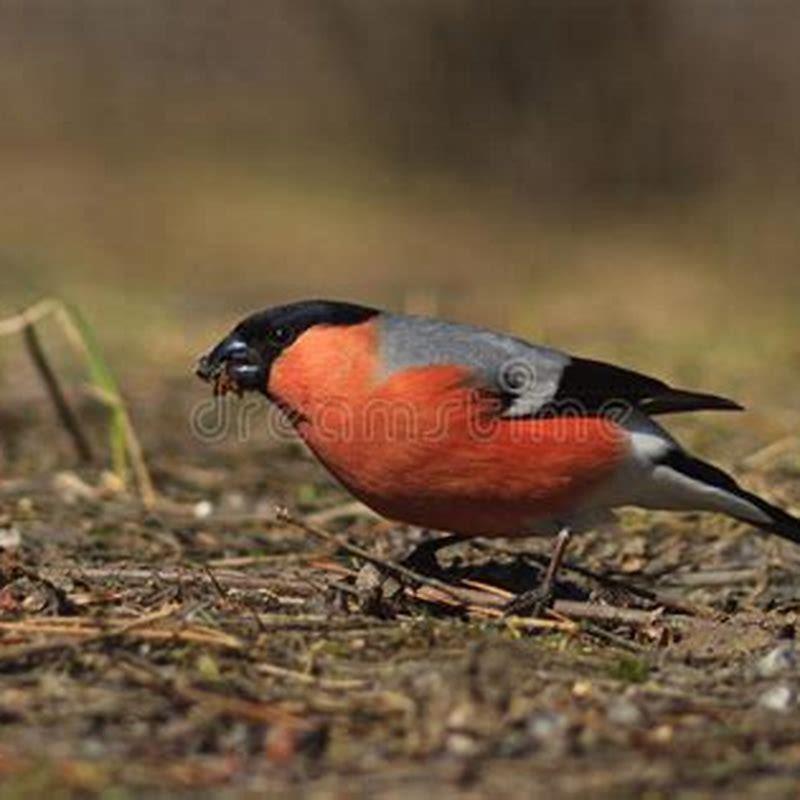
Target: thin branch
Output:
[(91, 633), (53, 386), (611, 582), (354, 508), (329, 684), (86, 631), (398, 570), (225, 578), (599, 612)]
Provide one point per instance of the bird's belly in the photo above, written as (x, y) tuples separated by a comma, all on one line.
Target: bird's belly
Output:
[(499, 481)]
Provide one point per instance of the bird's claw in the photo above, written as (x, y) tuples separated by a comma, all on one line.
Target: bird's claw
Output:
[(423, 560), (532, 603)]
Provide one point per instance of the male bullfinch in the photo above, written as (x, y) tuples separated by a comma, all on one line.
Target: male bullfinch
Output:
[(460, 429)]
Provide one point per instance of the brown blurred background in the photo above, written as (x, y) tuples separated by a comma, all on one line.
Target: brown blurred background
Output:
[(616, 177)]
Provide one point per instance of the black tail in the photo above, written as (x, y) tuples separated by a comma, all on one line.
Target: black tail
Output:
[(675, 401), (778, 521)]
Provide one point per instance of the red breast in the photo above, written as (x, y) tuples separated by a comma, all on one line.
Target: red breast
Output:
[(424, 445)]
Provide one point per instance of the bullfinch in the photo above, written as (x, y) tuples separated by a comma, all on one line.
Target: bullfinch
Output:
[(459, 429)]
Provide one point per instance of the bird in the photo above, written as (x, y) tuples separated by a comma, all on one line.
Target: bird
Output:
[(472, 432)]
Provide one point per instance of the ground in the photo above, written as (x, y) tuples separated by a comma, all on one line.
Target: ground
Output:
[(210, 646)]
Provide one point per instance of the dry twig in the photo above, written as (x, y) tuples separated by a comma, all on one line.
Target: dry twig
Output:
[(398, 570), (57, 396), (89, 631)]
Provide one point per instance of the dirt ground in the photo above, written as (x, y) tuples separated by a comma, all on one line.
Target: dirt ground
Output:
[(210, 647), (622, 185), (214, 648)]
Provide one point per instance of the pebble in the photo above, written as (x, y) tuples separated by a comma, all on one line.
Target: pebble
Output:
[(203, 510), (547, 726), (234, 502), (369, 578), (10, 538), (25, 507), (779, 661), (462, 744), (110, 484), (781, 698), (623, 711), (72, 489)]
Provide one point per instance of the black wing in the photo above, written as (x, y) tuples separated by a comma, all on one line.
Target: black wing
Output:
[(593, 386)]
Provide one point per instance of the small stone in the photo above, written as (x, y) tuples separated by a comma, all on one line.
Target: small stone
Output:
[(93, 748), (582, 689), (369, 579), (547, 726), (203, 510), (72, 489), (266, 509), (462, 744), (779, 661), (10, 538), (25, 507), (207, 667), (110, 484), (391, 589), (780, 698), (663, 734), (234, 502), (623, 711)]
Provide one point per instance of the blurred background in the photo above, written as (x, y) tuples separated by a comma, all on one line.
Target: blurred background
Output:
[(619, 177)]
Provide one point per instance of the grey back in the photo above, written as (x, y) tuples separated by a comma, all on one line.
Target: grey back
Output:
[(527, 374)]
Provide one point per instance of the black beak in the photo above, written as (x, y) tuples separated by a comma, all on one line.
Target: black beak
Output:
[(234, 361)]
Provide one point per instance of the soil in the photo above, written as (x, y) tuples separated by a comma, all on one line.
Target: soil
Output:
[(213, 647)]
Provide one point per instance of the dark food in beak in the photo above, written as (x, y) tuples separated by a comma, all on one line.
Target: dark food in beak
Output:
[(232, 366)]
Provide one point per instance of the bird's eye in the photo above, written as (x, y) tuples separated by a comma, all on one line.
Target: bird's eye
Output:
[(282, 335)]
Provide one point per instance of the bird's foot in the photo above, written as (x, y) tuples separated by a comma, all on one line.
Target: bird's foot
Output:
[(423, 559), (532, 603), (536, 601)]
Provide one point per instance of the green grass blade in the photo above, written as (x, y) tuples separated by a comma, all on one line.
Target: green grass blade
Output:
[(101, 376)]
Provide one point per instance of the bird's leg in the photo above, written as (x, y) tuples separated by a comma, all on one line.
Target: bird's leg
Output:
[(535, 601), (423, 559)]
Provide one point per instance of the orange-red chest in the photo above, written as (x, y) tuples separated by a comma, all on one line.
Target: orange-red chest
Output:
[(425, 447)]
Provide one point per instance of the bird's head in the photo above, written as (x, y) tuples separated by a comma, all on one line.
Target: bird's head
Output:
[(241, 362)]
